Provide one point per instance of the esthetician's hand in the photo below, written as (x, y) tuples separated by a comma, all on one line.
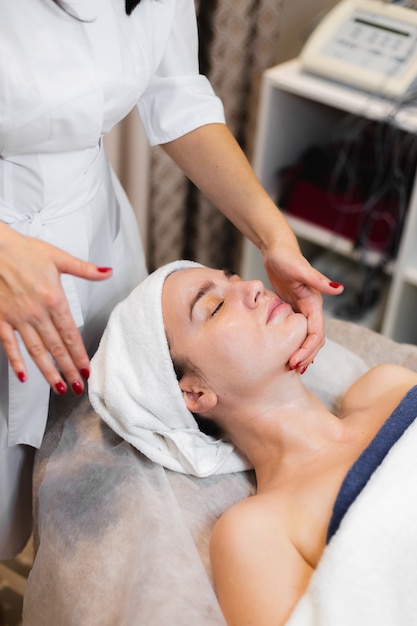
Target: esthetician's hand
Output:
[(33, 303), (299, 284)]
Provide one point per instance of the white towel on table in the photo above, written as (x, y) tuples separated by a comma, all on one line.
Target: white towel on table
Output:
[(134, 389)]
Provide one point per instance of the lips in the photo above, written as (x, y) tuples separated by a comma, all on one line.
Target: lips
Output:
[(273, 308)]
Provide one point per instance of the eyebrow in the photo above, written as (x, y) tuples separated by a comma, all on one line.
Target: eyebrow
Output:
[(206, 288)]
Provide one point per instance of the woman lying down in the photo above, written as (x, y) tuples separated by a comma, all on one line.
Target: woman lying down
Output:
[(192, 343)]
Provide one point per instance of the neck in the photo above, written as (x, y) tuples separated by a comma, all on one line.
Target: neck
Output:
[(282, 428)]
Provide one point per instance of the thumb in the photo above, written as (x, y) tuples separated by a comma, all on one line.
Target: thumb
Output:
[(323, 284)]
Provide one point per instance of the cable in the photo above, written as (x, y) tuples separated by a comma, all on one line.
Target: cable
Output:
[(393, 154)]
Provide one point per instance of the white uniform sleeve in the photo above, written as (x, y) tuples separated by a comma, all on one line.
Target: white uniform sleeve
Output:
[(178, 99)]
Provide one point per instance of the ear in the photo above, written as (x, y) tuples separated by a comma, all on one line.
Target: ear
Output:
[(197, 397)]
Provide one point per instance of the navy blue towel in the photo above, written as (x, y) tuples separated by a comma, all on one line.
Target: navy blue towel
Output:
[(373, 455)]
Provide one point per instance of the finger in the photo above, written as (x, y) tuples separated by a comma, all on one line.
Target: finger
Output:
[(42, 357), (323, 284), (11, 349), (313, 343), (293, 272), (51, 356), (62, 339), (79, 362), (305, 356), (68, 264), (334, 289)]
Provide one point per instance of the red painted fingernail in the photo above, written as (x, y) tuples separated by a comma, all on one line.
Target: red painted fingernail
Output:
[(296, 366), (60, 387), (103, 270), (303, 369), (85, 373), (335, 285), (21, 376), (77, 387)]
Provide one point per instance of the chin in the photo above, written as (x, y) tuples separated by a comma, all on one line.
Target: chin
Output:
[(299, 331)]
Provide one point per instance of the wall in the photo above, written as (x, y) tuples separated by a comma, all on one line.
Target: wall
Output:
[(299, 19)]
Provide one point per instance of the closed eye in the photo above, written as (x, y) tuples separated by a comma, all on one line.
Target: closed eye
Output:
[(217, 309)]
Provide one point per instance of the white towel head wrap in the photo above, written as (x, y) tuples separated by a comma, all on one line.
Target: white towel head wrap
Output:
[(134, 389)]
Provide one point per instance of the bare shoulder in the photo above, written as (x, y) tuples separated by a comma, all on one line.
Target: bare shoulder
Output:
[(387, 383), (258, 573), (236, 531), (251, 522)]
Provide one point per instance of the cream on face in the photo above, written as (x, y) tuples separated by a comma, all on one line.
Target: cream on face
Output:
[(238, 333)]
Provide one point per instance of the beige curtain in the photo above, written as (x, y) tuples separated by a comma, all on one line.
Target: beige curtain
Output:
[(238, 40)]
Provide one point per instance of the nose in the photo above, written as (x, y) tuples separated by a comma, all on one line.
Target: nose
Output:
[(253, 290)]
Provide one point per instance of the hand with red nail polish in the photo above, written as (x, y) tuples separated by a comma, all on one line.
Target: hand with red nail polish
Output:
[(299, 284), (33, 304)]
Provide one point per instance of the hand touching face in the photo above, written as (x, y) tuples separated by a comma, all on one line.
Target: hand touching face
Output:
[(237, 333)]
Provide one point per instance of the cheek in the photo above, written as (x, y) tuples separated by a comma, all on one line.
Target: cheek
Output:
[(224, 346), (232, 357), (222, 352), (239, 353)]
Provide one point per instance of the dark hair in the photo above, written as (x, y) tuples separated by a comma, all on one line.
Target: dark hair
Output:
[(129, 6)]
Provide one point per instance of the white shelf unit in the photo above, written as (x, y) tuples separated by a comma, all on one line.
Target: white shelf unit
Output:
[(298, 110)]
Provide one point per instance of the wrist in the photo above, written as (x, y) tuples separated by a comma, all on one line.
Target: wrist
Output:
[(274, 233)]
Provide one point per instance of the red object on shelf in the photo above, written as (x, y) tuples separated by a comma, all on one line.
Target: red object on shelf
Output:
[(348, 218)]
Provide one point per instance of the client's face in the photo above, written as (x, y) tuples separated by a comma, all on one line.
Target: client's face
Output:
[(237, 333)]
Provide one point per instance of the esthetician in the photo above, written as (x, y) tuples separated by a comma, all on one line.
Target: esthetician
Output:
[(69, 244)]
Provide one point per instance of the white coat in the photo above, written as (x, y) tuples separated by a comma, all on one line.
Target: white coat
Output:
[(64, 84)]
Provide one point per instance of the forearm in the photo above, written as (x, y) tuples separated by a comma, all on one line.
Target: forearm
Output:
[(215, 163), (213, 160)]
